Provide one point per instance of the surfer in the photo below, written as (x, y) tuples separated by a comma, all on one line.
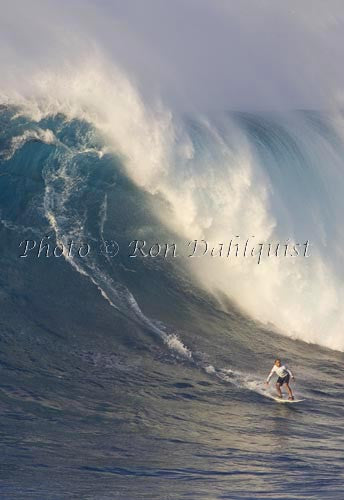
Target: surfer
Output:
[(284, 375)]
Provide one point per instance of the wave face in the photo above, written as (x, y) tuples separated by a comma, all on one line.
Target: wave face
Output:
[(266, 177), (84, 159)]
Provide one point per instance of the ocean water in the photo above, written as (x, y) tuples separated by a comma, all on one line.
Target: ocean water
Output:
[(143, 378)]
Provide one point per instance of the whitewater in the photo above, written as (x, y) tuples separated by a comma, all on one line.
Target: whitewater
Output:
[(219, 176)]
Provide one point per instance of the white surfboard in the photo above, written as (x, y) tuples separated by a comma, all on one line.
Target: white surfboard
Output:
[(282, 400)]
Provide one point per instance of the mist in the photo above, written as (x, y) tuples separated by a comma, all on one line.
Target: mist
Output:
[(194, 55)]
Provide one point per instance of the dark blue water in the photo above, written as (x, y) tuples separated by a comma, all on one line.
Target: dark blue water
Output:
[(121, 378)]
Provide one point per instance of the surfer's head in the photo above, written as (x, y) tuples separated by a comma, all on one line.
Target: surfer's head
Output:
[(278, 362)]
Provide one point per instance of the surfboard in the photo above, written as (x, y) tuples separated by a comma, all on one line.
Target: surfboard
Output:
[(281, 400)]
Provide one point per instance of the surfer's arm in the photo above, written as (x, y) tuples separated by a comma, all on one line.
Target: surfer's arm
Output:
[(270, 374), (290, 373)]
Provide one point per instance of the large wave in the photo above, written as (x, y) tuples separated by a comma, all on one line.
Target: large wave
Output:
[(272, 176)]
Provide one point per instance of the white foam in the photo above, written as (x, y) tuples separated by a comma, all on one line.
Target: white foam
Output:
[(210, 369), (42, 135), (174, 343)]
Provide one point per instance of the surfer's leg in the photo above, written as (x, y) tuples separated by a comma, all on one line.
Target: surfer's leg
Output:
[(278, 387), (289, 390)]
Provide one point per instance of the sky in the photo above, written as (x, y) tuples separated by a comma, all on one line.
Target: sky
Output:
[(194, 54)]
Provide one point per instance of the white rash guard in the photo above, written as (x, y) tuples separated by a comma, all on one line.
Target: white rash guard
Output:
[(281, 371)]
